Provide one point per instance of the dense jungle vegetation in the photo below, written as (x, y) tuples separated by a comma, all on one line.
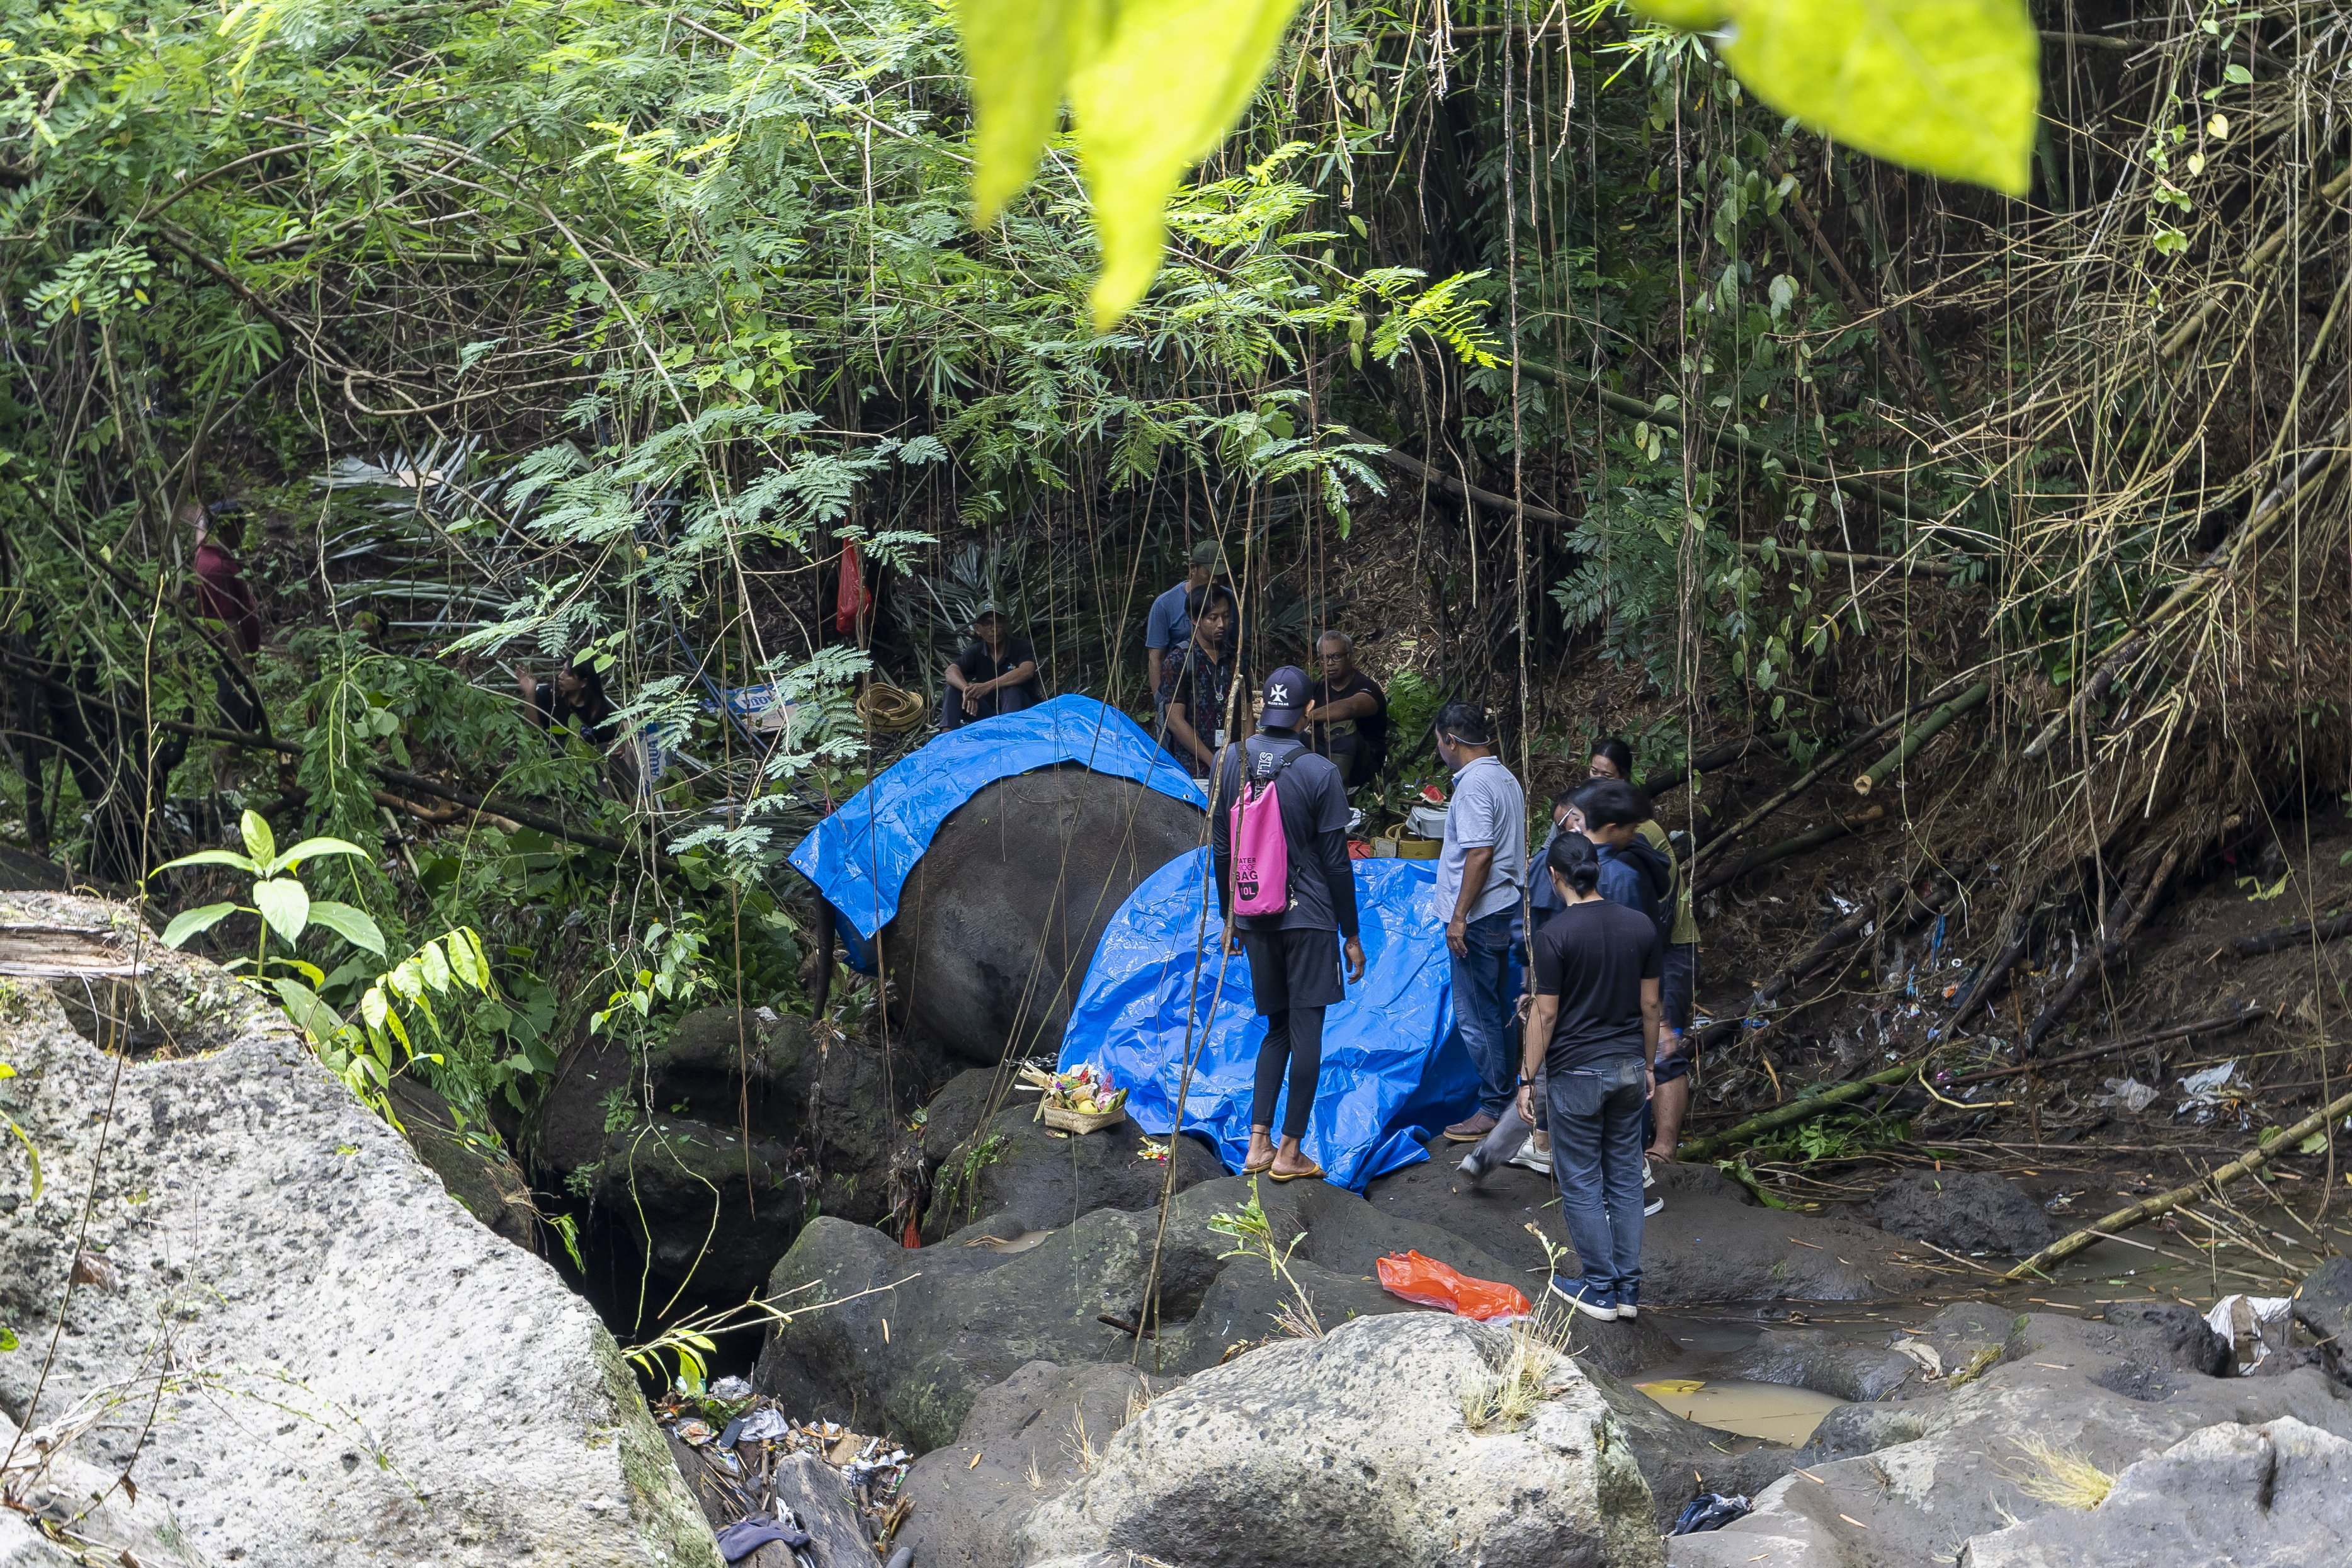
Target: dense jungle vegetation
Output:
[(503, 332)]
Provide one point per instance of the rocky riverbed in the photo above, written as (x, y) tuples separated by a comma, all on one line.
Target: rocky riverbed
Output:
[(252, 1326)]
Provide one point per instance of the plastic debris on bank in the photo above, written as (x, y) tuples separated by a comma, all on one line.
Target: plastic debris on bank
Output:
[(859, 856), (1394, 1069), (743, 1440)]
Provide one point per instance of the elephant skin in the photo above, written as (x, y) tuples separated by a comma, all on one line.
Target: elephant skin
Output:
[(1001, 916)]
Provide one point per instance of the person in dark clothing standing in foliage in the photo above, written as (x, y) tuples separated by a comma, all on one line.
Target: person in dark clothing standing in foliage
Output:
[(1294, 955), (224, 596), (1592, 1032), (997, 673), (1348, 719), (574, 700), (1200, 678)]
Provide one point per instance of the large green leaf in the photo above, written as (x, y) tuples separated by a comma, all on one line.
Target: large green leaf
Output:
[(1152, 85), (1151, 97), (211, 858), (285, 903), (188, 923), (1947, 87), (310, 847), (309, 1010), (259, 842), (1019, 53), (355, 926)]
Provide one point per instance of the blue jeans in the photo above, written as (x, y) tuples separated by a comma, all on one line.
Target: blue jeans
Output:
[(1596, 1159), (1482, 1007)]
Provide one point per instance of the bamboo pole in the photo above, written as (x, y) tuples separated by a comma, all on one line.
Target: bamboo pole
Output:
[(1927, 729), (1804, 1107), (2140, 1213), (1836, 828)]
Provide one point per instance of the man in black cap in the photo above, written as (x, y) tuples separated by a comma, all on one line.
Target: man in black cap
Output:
[(1294, 955)]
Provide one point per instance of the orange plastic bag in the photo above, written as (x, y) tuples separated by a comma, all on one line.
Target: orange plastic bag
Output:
[(1427, 1282)]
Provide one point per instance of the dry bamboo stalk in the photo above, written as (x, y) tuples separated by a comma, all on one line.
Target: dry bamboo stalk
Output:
[(2140, 1213)]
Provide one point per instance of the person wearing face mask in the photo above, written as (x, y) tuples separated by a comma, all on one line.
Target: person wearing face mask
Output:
[(1480, 867), (1678, 982)]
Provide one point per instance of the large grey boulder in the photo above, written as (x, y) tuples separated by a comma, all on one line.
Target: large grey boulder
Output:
[(2323, 1304), (713, 1149), (1026, 1440), (304, 1352), (1913, 1479), (915, 1336), (1014, 1165), (2274, 1496), (1352, 1451)]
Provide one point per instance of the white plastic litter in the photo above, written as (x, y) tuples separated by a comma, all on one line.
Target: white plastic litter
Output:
[(2254, 1325), (2125, 1094), (2207, 1091)]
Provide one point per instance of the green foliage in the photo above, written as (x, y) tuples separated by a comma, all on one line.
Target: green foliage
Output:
[(279, 899), (676, 973), (1153, 87), (364, 1055), (1947, 87)]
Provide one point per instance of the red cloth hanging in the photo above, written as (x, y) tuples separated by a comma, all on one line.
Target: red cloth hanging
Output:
[(851, 601)]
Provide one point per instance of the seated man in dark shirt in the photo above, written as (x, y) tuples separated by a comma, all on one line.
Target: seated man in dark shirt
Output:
[(996, 674), (1347, 712)]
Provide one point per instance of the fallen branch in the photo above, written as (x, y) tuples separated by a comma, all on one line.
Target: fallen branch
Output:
[(2140, 1213), (1891, 892), (2256, 260), (2120, 1047), (2295, 935), (1707, 762), (2136, 908), (1926, 730), (1829, 832), (1804, 1107), (1809, 776)]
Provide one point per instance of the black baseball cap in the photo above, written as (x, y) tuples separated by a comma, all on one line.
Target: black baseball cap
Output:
[(1285, 698)]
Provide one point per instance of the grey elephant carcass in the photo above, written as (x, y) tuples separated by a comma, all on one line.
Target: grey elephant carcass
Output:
[(1002, 914)]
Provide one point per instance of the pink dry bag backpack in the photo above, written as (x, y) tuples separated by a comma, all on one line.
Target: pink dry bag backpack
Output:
[(1260, 854)]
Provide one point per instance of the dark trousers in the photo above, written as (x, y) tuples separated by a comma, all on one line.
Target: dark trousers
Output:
[(1295, 1036), (1597, 1113)]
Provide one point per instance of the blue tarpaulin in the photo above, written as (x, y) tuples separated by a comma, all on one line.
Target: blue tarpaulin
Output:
[(859, 858), (1393, 1064)]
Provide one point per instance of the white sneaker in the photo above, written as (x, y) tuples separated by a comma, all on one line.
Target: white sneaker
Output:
[(1531, 1158), (1655, 1204)]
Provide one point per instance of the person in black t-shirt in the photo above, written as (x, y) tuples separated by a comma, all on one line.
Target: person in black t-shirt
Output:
[(1592, 1028), (1348, 714), (1200, 678), (1294, 956), (996, 674)]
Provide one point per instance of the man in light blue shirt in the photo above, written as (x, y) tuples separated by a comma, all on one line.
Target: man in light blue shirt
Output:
[(1480, 869), (1170, 624)]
